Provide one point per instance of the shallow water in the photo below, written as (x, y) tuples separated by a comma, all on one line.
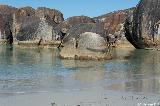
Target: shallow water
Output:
[(24, 70)]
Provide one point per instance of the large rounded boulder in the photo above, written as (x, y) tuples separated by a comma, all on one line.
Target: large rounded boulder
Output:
[(85, 42), (142, 28), (78, 29)]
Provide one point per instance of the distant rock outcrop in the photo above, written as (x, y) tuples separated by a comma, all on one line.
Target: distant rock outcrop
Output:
[(78, 29), (113, 24), (27, 24), (63, 27), (37, 24), (6, 23), (142, 28), (44, 25)]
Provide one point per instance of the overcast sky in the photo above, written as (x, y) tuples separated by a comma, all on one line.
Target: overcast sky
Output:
[(70, 8)]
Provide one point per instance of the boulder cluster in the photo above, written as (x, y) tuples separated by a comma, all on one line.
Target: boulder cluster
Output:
[(82, 37), (28, 24)]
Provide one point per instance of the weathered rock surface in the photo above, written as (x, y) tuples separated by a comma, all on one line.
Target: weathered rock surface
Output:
[(26, 23), (50, 14), (113, 21), (142, 28), (85, 41), (63, 27), (6, 22), (78, 29), (75, 20), (113, 24), (39, 24)]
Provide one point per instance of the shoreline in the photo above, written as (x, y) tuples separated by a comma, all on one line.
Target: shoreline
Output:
[(55, 44), (80, 98)]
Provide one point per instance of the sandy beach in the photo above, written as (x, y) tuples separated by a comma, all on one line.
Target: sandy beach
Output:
[(80, 98)]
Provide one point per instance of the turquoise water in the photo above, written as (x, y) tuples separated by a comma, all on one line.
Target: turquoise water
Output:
[(38, 70)]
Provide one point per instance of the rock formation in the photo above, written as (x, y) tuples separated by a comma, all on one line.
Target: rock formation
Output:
[(78, 29), (82, 37), (85, 41), (26, 23), (29, 24), (142, 28), (113, 24), (6, 23), (63, 27)]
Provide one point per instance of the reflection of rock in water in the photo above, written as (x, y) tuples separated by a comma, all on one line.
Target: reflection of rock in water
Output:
[(6, 51), (80, 64), (121, 53), (85, 70), (141, 72), (89, 75), (16, 55), (148, 63)]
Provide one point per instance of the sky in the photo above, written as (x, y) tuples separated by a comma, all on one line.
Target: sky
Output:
[(91, 8)]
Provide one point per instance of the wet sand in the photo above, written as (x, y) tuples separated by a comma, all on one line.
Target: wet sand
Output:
[(79, 98)]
